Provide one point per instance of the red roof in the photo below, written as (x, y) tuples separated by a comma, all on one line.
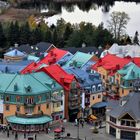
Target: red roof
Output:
[(111, 63), (51, 58), (61, 76), (136, 60)]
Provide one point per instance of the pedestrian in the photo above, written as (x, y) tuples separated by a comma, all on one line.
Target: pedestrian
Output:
[(82, 123), (24, 135), (16, 136), (35, 136), (8, 133)]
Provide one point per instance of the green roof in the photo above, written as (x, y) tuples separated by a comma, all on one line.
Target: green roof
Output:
[(26, 85), (130, 71), (47, 81), (80, 58), (5, 80), (18, 120)]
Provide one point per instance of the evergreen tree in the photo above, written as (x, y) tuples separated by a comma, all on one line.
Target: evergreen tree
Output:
[(2, 37), (136, 39), (24, 33)]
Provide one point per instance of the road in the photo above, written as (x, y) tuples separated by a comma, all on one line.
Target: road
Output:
[(85, 133)]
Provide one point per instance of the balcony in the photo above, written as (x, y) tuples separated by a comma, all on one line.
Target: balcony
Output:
[(29, 104), (74, 105), (27, 115), (74, 97)]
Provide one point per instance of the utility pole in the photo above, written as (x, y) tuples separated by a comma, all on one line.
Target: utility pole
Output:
[(78, 129)]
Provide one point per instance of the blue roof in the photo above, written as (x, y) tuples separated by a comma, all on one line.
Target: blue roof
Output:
[(14, 53), (99, 105), (13, 67), (85, 79), (65, 58), (19, 120), (87, 65)]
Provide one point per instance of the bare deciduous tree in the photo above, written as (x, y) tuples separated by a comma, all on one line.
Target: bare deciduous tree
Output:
[(117, 23)]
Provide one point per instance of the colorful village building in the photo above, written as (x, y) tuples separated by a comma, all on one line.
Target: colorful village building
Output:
[(53, 56), (39, 49), (125, 78), (72, 98), (107, 67), (91, 91), (30, 101), (14, 55), (78, 60), (123, 116)]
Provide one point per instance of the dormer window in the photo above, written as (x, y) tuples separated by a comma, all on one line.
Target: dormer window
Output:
[(28, 88)]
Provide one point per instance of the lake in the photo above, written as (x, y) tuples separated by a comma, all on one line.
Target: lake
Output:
[(97, 15)]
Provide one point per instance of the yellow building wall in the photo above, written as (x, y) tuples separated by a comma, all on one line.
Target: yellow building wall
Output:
[(55, 108), (124, 92), (104, 74), (96, 99)]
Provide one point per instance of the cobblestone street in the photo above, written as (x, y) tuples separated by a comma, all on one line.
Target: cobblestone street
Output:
[(84, 133)]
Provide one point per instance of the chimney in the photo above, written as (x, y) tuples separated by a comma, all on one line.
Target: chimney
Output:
[(16, 45), (62, 79)]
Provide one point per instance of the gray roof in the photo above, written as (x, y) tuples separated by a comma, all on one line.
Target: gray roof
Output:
[(88, 49), (131, 106), (38, 48)]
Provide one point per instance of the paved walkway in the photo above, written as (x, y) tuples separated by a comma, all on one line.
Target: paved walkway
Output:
[(85, 133)]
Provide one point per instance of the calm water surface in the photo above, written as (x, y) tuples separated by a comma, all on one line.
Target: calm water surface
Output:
[(96, 16)]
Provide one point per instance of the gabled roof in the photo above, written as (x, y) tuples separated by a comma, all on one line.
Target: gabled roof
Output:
[(111, 63), (51, 58), (89, 49), (131, 106), (38, 48), (15, 53), (78, 60), (130, 71), (61, 76)]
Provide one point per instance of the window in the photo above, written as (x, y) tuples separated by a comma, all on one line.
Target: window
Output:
[(58, 104), (122, 91), (29, 100), (103, 76), (61, 102), (112, 119), (128, 123), (47, 105), (93, 97), (18, 108), (39, 108), (18, 99), (7, 98), (130, 84), (39, 98), (7, 108), (93, 88), (99, 96)]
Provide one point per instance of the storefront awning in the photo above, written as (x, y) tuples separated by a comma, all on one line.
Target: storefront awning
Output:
[(19, 120), (99, 105)]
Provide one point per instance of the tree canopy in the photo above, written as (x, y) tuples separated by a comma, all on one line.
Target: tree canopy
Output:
[(117, 23)]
